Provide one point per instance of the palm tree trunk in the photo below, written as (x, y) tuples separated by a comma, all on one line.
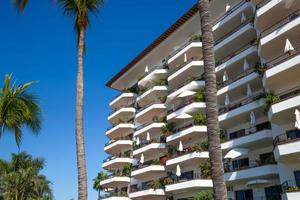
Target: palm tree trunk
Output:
[(213, 130), (80, 150)]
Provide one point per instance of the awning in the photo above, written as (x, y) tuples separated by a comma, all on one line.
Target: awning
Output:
[(237, 152)]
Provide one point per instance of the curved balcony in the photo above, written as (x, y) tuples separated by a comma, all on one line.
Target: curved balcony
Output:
[(124, 114), (196, 182), (115, 181), (284, 67), (114, 197), (156, 73), (147, 193), (224, 25), (120, 130), (116, 146), (124, 99), (188, 157), (152, 94), (154, 110), (114, 163), (188, 107), (283, 111), (287, 147), (256, 136), (240, 110), (153, 128), (150, 148), (148, 170), (273, 39), (290, 190), (190, 69)]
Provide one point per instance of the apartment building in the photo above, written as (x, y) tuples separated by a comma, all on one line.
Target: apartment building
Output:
[(158, 138)]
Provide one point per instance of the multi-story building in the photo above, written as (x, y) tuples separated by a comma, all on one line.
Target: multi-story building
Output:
[(158, 139)]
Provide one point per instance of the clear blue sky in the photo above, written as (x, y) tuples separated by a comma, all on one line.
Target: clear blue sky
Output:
[(41, 45)]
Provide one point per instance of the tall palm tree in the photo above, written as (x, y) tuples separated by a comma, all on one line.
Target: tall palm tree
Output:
[(18, 108), (80, 10), (96, 186), (213, 130)]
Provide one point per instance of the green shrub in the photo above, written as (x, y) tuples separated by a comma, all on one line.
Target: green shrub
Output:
[(168, 180), (199, 118), (155, 162), (155, 184), (168, 128), (204, 195), (194, 38), (201, 146), (199, 96), (127, 169), (271, 99), (161, 82), (205, 169)]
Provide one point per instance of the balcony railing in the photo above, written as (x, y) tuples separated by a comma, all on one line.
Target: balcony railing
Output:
[(146, 186), (184, 178), (201, 78), (157, 101), (144, 143), (262, 3), (183, 46), (282, 58), (248, 131), (231, 11), (155, 67), (173, 71), (163, 120), (141, 92), (253, 164), (258, 95), (236, 77), (290, 186), (286, 138), (176, 108), (146, 164), (119, 108), (289, 93), (114, 194), (249, 21), (121, 155), (240, 50), (280, 23), (130, 121)]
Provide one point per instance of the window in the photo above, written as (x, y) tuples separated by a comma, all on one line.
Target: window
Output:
[(187, 175), (297, 177), (267, 158), (273, 192), (237, 134), (244, 195), (241, 163), (293, 134)]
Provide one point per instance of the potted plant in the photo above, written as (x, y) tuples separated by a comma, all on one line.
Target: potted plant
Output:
[(260, 68), (155, 184), (199, 96), (167, 129), (271, 99), (168, 180), (199, 118)]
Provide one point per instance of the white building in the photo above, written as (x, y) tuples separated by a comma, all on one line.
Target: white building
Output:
[(158, 124)]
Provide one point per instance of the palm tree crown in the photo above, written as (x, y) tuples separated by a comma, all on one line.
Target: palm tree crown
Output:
[(18, 108)]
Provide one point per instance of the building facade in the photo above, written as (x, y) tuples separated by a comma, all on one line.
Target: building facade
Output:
[(158, 138)]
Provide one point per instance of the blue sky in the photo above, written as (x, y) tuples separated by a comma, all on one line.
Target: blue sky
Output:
[(41, 45)]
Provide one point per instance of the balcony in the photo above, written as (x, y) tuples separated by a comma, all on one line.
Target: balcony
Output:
[(191, 48), (114, 198), (115, 181), (150, 149), (188, 183), (268, 11), (120, 130), (154, 110), (114, 147), (154, 74), (155, 92), (287, 146), (236, 59), (114, 163), (284, 67), (147, 193), (188, 157), (153, 128), (291, 190), (242, 35), (283, 111), (241, 109), (120, 115), (148, 170), (232, 18), (253, 171), (124, 99), (112, 195), (187, 133), (257, 136), (189, 107), (273, 39), (190, 69)]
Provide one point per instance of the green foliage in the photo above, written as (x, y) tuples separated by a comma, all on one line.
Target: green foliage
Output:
[(161, 82), (205, 169), (203, 195), (21, 179), (18, 108), (163, 99), (100, 177), (171, 149), (155, 162), (260, 68), (194, 38), (199, 96), (155, 184), (271, 99), (201, 146), (168, 128), (168, 180), (199, 118), (127, 169)]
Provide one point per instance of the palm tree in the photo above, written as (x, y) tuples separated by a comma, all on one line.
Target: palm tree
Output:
[(96, 186), (213, 130), (18, 108), (21, 179), (80, 10)]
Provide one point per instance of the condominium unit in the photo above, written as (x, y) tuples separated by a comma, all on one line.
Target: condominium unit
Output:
[(158, 139)]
